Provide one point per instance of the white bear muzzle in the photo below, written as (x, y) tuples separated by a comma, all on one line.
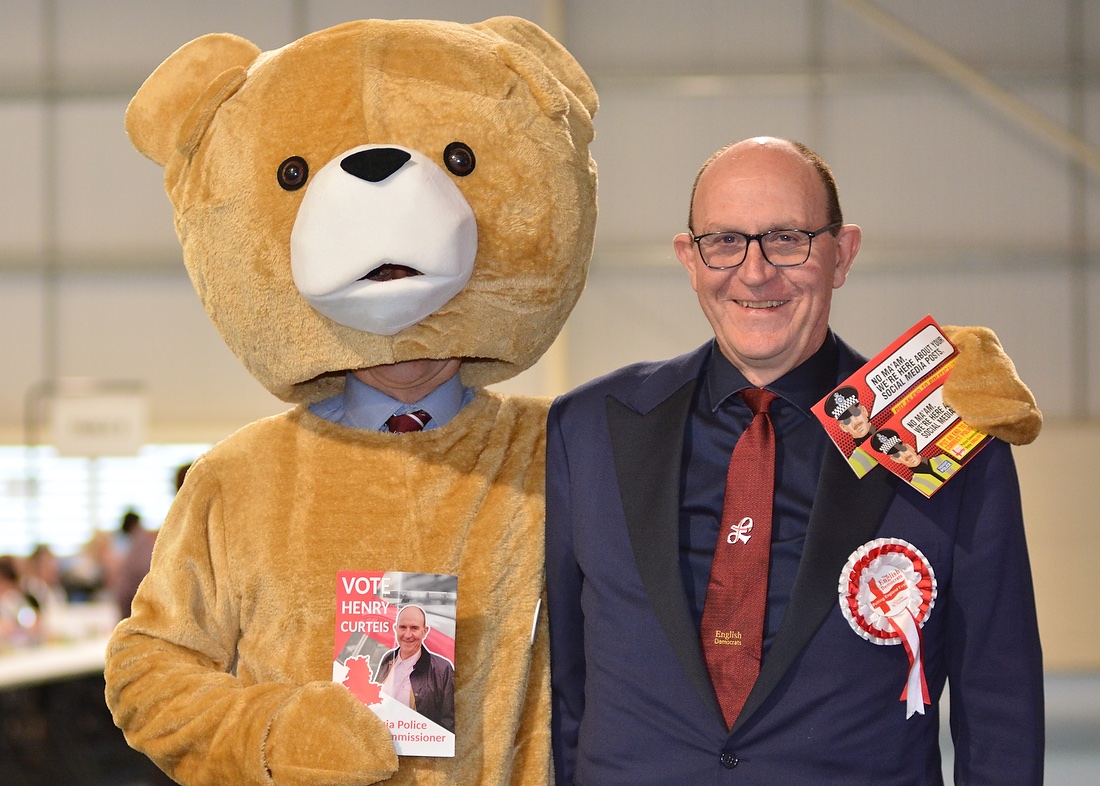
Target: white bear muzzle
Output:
[(383, 239)]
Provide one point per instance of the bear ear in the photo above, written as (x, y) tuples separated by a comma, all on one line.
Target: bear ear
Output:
[(538, 52), (173, 107)]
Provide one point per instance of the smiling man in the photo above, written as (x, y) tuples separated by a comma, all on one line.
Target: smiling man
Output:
[(769, 310), (416, 676), (639, 479)]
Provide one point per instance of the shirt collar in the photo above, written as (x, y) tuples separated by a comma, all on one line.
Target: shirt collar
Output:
[(408, 663), (802, 386), (369, 408)]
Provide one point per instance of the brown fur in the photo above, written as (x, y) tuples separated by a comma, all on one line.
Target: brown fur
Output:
[(222, 675), (233, 676), (984, 389)]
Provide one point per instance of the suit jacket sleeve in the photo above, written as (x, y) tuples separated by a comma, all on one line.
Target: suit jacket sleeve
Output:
[(563, 580), (994, 658)]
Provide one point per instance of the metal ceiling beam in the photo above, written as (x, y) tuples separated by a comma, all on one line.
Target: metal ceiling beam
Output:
[(977, 83)]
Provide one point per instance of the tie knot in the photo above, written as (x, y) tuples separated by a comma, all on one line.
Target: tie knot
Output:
[(408, 421), (758, 399)]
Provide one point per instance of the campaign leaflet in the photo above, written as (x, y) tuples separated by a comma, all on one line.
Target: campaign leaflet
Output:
[(384, 621), (925, 443), (863, 403)]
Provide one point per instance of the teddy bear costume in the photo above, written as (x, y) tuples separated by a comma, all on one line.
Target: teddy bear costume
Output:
[(459, 152), (459, 155)]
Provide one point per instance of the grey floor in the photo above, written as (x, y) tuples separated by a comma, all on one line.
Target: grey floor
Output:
[(1073, 731)]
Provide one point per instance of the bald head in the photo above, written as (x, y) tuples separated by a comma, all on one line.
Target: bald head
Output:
[(413, 614), (410, 629), (830, 198)]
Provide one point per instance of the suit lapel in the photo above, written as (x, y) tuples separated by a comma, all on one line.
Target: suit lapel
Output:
[(648, 450), (647, 438), (847, 512)]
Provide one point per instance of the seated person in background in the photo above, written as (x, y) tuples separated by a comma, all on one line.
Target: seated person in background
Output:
[(41, 578), (135, 564), (19, 621)]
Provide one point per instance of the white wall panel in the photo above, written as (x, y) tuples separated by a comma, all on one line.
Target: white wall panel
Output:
[(152, 328), (1091, 180), (929, 169), (649, 147), (1005, 34), (21, 349), (325, 13), (676, 37), (629, 315), (127, 325), (119, 42), (21, 54), (1091, 344), (21, 199), (1027, 310), (97, 219)]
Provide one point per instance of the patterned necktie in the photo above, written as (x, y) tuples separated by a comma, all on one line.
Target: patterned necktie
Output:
[(408, 421), (733, 615)]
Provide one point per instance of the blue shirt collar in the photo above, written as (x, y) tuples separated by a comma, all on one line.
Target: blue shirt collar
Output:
[(802, 386), (365, 407)]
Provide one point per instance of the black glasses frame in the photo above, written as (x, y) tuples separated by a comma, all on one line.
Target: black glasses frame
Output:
[(759, 241)]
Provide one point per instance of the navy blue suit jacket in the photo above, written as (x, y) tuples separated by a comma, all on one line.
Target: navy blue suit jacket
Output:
[(632, 701)]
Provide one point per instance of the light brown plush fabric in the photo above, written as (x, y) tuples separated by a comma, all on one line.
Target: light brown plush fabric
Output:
[(223, 673), (224, 670), (985, 390), (221, 117)]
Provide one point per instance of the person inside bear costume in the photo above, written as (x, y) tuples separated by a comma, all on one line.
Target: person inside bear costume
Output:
[(378, 214), (381, 218)]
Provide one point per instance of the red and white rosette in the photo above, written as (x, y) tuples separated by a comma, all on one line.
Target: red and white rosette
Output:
[(887, 590)]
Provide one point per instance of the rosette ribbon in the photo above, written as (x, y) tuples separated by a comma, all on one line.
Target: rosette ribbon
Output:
[(887, 590)]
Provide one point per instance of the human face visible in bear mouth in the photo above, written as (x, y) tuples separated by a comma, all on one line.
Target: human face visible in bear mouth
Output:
[(390, 273), (410, 380)]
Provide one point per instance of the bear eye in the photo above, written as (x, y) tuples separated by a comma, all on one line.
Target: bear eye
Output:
[(459, 159), (293, 173)]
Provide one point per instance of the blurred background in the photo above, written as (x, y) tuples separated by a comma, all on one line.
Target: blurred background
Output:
[(964, 135)]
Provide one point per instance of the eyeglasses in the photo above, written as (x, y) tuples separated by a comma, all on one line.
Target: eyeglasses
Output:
[(780, 247)]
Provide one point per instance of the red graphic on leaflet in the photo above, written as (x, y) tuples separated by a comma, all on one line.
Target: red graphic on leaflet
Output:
[(359, 681), (375, 618)]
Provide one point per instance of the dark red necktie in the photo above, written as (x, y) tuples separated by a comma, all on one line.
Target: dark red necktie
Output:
[(408, 421), (733, 615)]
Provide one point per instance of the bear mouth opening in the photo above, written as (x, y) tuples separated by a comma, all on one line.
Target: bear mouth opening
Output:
[(390, 273)]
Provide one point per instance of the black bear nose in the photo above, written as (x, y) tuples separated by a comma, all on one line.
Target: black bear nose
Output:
[(376, 164)]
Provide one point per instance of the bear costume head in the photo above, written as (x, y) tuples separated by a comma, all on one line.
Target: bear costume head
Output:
[(377, 192)]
